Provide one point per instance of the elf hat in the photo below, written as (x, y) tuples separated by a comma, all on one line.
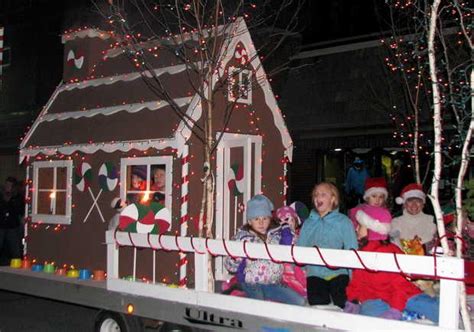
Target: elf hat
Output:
[(259, 206), (301, 210), (413, 190), (139, 171), (375, 185)]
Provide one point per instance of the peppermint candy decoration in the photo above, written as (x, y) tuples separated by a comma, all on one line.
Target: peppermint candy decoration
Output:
[(75, 60), (144, 219), (241, 55), (108, 177), (83, 176), (236, 179)]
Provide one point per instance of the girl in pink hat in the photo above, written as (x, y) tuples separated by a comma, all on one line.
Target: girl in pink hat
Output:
[(372, 219), (293, 276)]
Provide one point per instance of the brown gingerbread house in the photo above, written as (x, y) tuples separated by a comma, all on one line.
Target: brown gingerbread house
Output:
[(104, 133)]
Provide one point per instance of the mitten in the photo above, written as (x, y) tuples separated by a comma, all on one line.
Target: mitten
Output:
[(286, 235), (240, 274), (371, 223), (394, 233), (352, 308), (392, 314)]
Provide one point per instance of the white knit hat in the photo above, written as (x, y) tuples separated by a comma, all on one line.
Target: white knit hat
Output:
[(412, 190)]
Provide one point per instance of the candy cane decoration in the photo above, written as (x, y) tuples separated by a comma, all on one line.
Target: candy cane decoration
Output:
[(184, 213)]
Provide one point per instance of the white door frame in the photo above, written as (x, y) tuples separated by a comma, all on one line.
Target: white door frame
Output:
[(228, 141)]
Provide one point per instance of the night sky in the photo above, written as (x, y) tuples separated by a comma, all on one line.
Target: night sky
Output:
[(41, 22), (319, 21)]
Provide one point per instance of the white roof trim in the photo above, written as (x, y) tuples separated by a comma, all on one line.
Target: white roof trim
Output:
[(90, 33), (241, 34), (108, 147), (123, 78), (38, 119), (244, 37), (129, 108)]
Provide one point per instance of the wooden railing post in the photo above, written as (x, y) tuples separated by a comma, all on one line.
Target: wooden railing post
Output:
[(201, 275), (112, 256)]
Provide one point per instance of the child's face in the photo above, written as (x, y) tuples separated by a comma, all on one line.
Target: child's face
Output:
[(323, 200), (160, 178), (136, 181), (376, 199), (414, 205), (260, 224)]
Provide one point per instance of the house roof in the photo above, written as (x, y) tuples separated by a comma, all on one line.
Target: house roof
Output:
[(114, 109)]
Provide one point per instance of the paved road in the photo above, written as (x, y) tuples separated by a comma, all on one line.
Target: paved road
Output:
[(19, 313)]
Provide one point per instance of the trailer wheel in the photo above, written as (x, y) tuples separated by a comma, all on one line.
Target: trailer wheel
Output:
[(171, 327), (108, 321)]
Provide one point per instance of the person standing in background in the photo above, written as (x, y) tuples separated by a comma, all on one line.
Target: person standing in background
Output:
[(11, 213), (355, 182)]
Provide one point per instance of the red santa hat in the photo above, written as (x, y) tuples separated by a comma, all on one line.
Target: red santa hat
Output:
[(375, 185), (413, 190)]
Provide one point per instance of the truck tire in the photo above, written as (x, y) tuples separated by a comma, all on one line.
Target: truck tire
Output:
[(171, 327), (109, 321)]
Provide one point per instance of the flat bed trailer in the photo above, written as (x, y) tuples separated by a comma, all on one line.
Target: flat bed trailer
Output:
[(202, 309)]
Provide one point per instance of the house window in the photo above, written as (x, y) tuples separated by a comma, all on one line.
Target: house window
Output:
[(52, 181), (240, 85), (147, 179)]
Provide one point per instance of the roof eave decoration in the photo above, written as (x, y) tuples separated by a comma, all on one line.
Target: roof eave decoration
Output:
[(85, 32), (109, 147)]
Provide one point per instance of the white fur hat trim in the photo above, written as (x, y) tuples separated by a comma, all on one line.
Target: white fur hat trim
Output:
[(415, 193), (375, 190)]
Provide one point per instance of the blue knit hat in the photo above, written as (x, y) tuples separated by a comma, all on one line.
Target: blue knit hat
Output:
[(259, 206)]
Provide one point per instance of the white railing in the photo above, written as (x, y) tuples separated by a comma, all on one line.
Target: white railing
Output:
[(450, 270)]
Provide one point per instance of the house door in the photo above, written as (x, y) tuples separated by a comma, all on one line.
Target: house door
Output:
[(238, 178)]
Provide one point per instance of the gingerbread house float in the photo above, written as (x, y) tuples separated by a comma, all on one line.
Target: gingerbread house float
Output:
[(104, 133)]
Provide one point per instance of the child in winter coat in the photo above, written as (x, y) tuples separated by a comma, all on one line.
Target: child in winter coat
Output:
[(372, 214), (387, 294), (293, 275), (326, 227), (262, 278), (413, 222)]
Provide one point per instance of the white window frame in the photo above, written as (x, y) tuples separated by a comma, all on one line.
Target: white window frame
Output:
[(232, 76), (51, 218), (148, 162)]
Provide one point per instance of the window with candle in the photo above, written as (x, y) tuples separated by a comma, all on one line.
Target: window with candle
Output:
[(146, 180), (52, 182)]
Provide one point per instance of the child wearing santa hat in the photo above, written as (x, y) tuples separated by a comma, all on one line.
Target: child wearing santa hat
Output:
[(372, 219), (413, 222)]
